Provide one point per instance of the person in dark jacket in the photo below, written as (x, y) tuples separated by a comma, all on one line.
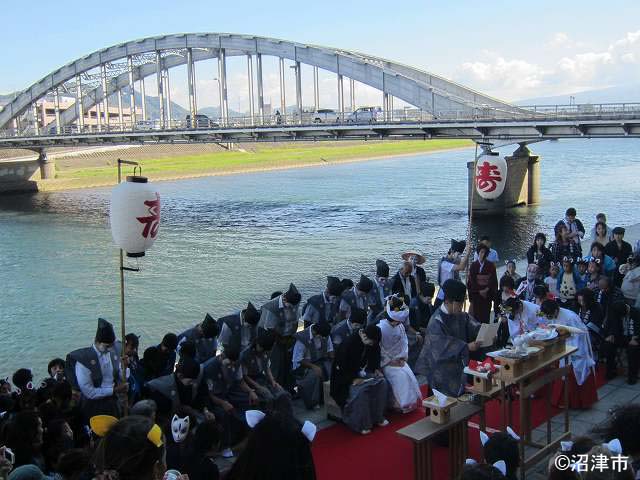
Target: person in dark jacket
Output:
[(591, 315), (607, 294), (312, 355), (539, 254), (483, 285), (574, 226), (324, 306), (357, 383), (563, 246), (204, 336), (238, 330), (619, 251), (167, 353), (622, 330)]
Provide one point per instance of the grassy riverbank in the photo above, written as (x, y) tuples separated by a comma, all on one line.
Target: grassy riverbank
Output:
[(259, 158)]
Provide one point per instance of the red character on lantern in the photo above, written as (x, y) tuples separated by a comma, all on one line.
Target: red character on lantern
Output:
[(152, 222), (488, 177)]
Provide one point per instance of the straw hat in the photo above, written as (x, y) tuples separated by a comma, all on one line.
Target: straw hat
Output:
[(420, 259)]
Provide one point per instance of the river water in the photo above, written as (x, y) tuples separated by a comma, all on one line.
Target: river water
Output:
[(225, 240)]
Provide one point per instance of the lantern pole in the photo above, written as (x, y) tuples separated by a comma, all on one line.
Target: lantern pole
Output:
[(123, 330)]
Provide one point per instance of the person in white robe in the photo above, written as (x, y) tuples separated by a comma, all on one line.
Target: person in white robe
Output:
[(582, 360), (522, 316), (394, 349)]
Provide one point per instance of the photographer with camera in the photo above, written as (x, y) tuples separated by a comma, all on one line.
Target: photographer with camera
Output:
[(630, 287)]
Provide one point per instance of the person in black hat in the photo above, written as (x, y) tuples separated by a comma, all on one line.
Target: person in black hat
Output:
[(449, 342), (229, 395), (324, 306), (381, 290), (574, 226), (357, 383), (95, 371), (176, 390), (240, 329), (620, 251), (356, 297), (280, 314), (450, 266), (312, 356), (204, 336), (257, 371), (167, 353), (345, 328)]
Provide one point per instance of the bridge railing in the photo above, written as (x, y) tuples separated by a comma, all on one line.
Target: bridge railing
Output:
[(328, 118)]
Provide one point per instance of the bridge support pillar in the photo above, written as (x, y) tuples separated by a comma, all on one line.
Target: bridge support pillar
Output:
[(260, 87), (132, 94), (222, 77), (533, 179), (47, 166), (250, 85), (298, 91), (522, 187), (283, 98), (316, 89)]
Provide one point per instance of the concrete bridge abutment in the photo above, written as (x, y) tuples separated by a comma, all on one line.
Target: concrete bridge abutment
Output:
[(522, 185)]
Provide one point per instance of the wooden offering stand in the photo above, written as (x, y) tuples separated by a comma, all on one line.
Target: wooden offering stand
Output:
[(439, 414), (510, 368), (482, 381)]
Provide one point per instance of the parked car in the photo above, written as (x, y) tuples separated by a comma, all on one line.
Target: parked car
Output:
[(324, 115), (146, 125), (365, 115), (202, 121)]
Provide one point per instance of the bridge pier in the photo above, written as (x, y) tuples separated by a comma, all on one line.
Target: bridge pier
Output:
[(522, 187), (47, 166)]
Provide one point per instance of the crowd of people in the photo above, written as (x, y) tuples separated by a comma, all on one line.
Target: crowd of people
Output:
[(106, 412)]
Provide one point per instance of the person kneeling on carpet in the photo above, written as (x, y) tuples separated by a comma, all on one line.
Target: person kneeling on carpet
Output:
[(357, 383), (394, 348), (312, 355)]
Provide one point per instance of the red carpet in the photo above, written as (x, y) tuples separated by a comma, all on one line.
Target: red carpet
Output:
[(341, 454)]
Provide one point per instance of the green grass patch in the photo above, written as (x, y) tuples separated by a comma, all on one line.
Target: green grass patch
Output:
[(262, 158)]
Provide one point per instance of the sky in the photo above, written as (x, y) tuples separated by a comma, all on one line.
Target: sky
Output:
[(508, 49)]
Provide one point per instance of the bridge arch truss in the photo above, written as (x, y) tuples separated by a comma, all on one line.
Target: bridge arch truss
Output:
[(116, 69)]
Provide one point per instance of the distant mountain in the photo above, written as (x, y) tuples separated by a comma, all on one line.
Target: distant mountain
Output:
[(618, 94)]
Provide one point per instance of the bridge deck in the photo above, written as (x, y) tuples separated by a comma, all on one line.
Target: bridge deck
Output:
[(607, 126)]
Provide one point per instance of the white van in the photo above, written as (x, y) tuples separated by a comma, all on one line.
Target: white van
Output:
[(365, 115)]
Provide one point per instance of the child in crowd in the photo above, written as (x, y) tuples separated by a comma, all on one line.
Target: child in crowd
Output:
[(552, 280), (582, 265), (511, 271)]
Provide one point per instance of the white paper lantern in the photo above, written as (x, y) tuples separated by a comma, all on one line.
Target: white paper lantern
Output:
[(135, 215), (491, 176)]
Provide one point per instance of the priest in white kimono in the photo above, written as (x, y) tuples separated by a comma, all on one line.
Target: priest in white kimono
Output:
[(581, 379), (394, 349), (522, 316)]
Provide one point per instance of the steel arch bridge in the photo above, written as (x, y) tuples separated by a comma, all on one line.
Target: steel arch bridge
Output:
[(92, 79)]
